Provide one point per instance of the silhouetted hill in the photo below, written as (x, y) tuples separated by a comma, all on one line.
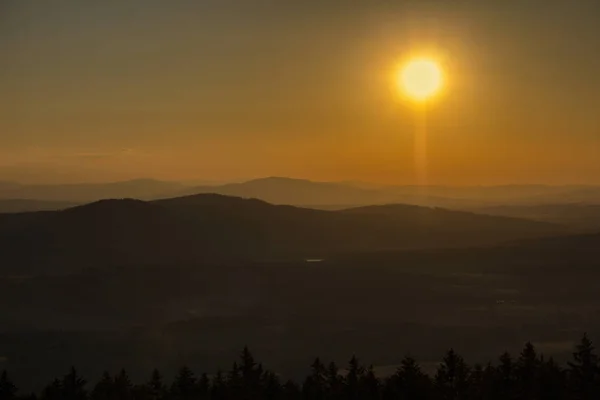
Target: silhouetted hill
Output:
[(566, 195), (329, 195), (578, 216), (581, 245), (85, 192), (279, 190), (214, 227), (24, 205), (339, 195), (305, 193), (312, 232), (442, 219), (105, 232)]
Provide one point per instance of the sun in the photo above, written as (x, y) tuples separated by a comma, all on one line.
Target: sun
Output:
[(420, 79)]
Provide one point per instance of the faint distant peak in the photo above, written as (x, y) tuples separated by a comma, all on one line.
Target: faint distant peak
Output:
[(142, 180), (363, 185), (279, 179), (389, 206), (146, 182)]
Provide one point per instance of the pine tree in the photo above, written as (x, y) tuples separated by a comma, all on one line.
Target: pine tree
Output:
[(272, 386), (584, 371), (369, 384), (234, 381), (353, 378), (73, 386), (334, 382), (155, 387), (477, 383), (184, 386), (291, 391), (315, 384), (409, 381), (203, 391), (250, 374), (104, 389), (526, 373), (452, 377), (481, 386), (8, 389), (551, 380), (123, 386), (53, 391), (248, 365), (218, 390), (503, 385)]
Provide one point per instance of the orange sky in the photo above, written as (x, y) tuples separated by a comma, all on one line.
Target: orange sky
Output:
[(223, 90)]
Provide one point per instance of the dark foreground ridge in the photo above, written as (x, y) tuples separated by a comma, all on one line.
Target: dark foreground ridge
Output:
[(529, 376), (211, 227)]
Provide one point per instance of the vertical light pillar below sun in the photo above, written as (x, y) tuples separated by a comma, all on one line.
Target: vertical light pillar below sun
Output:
[(420, 80)]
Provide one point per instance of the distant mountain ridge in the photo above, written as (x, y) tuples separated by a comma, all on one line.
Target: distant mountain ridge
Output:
[(306, 193), (27, 205), (281, 190), (86, 192), (584, 217)]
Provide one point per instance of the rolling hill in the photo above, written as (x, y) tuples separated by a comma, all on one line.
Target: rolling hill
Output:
[(306, 193), (576, 215), (85, 192), (26, 205), (212, 227), (339, 195), (336, 195)]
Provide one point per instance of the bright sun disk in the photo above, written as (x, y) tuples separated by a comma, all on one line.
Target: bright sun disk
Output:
[(420, 79)]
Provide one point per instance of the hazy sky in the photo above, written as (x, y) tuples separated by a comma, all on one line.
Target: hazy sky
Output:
[(228, 89)]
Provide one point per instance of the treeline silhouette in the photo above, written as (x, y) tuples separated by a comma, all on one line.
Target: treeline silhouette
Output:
[(528, 376)]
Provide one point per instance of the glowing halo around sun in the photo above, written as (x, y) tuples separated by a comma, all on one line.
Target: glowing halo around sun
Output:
[(420, 79)]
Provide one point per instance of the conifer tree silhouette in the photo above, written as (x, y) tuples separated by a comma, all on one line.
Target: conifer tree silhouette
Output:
[(584, 371), (409, 381), (123, 389), (203, 391), (334, 382), (184, 385), (369, 384), (551, 380), (8, 389), (291, 391), (353, 378), (526, 371), (156, 388), (452, 377), (104, 389), (314, 385), (53, 391), (218, 390), (530, 377), (73, 386)]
